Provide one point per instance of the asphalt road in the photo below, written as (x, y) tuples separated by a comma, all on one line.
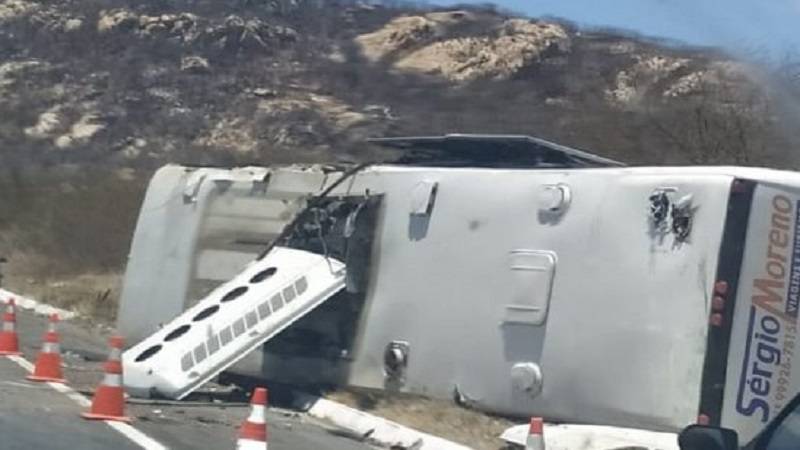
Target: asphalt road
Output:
[(35, 416)]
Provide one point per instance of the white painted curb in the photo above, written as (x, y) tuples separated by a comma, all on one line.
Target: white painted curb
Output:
[(591, 437), (32, 305), (373, 428)]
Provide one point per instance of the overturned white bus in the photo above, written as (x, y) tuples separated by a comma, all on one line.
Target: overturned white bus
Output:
[(516, 275)]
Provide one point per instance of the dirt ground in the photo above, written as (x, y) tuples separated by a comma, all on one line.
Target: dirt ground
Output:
[(90, 295)]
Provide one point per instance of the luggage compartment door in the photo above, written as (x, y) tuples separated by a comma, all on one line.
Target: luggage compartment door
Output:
[(531, 284)]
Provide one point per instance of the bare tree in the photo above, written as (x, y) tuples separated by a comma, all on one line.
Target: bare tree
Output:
[(715, 125)]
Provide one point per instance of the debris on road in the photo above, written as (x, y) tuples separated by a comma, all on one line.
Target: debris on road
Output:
[(372, 428)]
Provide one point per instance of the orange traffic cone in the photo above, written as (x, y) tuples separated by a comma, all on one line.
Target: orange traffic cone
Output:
[(48, 363), (108, 402), (253, 432), (9, 341), (535, 439)]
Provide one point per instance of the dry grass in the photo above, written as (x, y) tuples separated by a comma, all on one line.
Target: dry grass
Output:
[(437, 417), (94, 295), (66, 235), (59, 223)]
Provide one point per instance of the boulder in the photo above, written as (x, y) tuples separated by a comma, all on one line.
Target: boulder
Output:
[(116, 20), (195, 64)]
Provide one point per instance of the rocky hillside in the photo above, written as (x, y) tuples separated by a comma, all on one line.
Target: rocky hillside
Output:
[(95, 94), (137, 84)]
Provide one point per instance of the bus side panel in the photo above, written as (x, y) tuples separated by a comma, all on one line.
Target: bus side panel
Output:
[(761, 374)]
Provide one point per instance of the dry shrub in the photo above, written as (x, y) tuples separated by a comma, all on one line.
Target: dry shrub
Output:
[(67, 235)]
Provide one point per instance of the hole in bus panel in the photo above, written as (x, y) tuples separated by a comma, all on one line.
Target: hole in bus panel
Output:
[(328, 332)]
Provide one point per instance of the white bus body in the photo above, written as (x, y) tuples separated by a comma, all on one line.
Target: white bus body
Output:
[(629, 296)]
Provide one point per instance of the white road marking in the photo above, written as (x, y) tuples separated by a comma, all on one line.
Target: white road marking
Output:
[(22, 385), (71, 393), (137, 437), (27, 365)]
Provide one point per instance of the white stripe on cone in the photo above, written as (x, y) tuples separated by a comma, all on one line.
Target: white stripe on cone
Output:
[(249, 444), (535, 440), (50, 347), (112, 379), (10, 325), (257, 415)]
